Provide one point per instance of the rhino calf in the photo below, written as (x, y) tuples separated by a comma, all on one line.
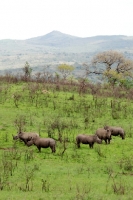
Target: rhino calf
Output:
[(87, 139)]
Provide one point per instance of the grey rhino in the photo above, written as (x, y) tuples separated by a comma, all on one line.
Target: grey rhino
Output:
[(104, 134), (42, 143), (115, 131), (25, 136), (87, 139)]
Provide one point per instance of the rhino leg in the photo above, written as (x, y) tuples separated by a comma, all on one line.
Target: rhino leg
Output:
[(91, 145), (53, 149), (106, 141), (78, 144), (122, 136), (39, 148), (25, 142)]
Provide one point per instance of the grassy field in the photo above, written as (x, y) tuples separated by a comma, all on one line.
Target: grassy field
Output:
[(104, 172)]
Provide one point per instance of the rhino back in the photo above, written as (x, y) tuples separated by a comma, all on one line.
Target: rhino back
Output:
[(43, 141), (26, 135), (81, 138), (116, 130), (101, 132)]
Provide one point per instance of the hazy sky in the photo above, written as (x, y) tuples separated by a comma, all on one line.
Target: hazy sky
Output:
[(23, 19)]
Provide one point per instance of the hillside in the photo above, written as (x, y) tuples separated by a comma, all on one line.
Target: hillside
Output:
[(56, 47), (61, 40)]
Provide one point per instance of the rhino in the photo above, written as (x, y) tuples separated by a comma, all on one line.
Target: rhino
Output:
[(87, 139), (104, 135), (115, 131), (42, 143), (25, 136)]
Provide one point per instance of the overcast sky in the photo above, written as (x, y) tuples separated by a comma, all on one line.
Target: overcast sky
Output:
[(23, 19)]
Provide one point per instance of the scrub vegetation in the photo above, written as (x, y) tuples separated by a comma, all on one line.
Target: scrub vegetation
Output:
[(62, 109)]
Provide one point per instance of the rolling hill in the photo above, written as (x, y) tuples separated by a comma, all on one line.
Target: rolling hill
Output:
[(61, 40), (56, 47)]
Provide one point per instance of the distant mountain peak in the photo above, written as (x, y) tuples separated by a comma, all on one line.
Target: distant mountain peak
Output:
[(54, 38), (59, 34), (61, 40), (55, 32)]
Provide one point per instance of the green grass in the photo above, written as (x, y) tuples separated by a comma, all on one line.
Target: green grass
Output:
[(104, 172)]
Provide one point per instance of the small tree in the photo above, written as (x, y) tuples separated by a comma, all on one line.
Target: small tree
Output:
[(57, 77), (65, 70), (113, 66), (27, 70)]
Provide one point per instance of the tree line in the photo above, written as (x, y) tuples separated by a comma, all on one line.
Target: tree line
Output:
[(111, 67)]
